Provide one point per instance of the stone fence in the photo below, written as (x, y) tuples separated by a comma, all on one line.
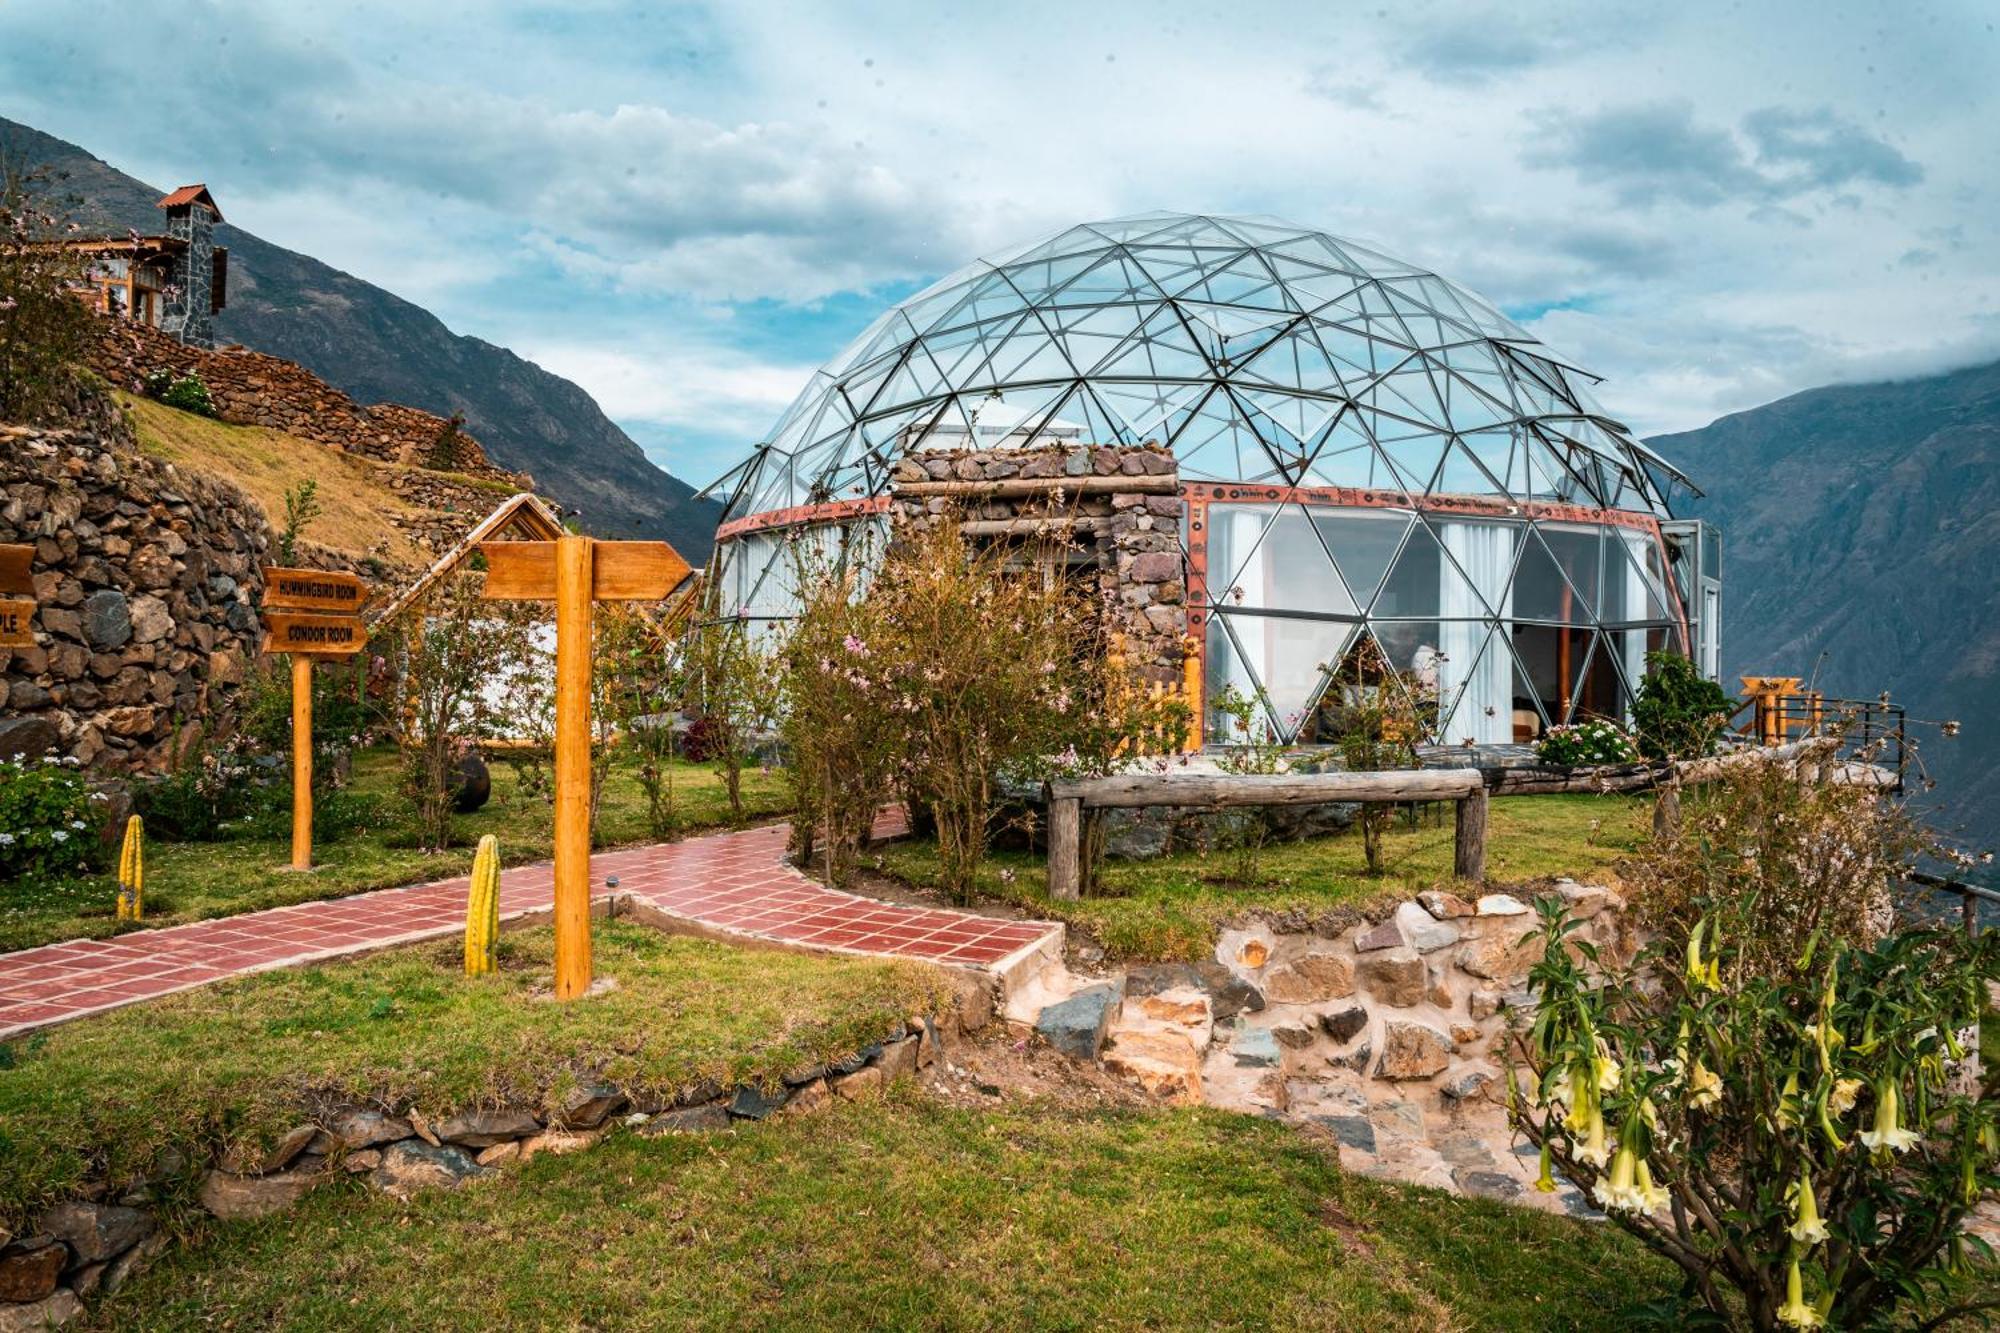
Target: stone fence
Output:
[(254, 389), (146, 579)]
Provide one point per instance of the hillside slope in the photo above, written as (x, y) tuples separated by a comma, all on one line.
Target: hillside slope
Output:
[(1861, 532), (378, 347)]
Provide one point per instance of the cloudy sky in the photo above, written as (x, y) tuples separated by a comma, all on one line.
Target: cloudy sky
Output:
[(685, 208)]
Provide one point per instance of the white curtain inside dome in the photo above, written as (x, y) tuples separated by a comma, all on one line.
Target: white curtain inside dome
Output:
[(1474, 587)]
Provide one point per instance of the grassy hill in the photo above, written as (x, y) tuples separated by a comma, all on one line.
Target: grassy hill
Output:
[(354, 494)]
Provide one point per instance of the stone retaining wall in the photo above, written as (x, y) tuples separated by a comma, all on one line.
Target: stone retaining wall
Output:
[(147, 579), (1414, 1001), (1133, 540), (254, 389), (94, 1244)]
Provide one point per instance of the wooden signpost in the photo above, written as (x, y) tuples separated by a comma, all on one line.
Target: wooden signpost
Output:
[(573, 572), (17, 597), (309, 613)]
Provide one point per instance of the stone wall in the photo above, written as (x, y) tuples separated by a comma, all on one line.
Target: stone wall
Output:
[(1131, 538), (253, 389), (147, 579), (1387, 1030)]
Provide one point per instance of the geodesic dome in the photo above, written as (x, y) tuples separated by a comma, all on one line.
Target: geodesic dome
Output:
[(1397, 456)]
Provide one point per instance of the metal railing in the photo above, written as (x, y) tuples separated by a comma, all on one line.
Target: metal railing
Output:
[(1869, 731), (1971, 896)]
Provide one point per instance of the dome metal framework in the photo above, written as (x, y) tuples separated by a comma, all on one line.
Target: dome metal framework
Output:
[(1411, 465)]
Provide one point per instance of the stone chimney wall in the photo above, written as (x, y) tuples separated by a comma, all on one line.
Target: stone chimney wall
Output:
[(1116, 508), (189, 314)]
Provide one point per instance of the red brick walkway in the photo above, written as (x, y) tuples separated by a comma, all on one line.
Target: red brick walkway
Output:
[(727, 883)]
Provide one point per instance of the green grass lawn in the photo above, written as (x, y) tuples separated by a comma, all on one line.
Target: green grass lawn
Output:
[(1171, 908), (236, 1061), (190, 881), (903, 1213)]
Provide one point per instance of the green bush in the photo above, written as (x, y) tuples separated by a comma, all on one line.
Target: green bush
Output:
[(1680, 713), (1598, 741), (48, 830), (188, 393)]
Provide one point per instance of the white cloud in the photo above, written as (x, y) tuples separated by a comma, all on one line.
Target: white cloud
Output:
[(697, 387)]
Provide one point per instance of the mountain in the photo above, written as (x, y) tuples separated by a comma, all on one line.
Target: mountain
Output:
[(1861, 546), (378, 347)]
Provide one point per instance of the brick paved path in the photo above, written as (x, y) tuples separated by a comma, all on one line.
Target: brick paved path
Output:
[(723, 883)]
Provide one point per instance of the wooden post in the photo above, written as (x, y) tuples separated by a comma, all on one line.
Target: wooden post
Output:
[(1065, 848), (572, 812), (574, 572), (1667, 811), (1469, 846), (302, 761)]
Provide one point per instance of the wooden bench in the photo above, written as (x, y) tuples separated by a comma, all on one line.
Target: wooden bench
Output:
[(1209, 791)]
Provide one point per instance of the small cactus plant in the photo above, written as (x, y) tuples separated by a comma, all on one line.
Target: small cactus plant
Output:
[(482, 909), (132, 872)]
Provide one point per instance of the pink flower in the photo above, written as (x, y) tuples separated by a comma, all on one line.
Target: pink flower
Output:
[(855, 646)]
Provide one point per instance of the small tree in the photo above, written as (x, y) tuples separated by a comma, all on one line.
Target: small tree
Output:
[(1253, 747), (301, 508), (1775, 1098), (730, 686), (44, 323), (1380, 723), (978, 650), (639, 684), (448, 647), (443, 455), (837, 669)]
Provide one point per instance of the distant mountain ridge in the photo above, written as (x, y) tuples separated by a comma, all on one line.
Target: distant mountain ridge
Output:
[(377, 347), (1861, 546)]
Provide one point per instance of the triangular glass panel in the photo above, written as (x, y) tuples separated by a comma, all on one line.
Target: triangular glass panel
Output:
[(1363, 543), (1293, 657), (1413, 588), (1542, 591)]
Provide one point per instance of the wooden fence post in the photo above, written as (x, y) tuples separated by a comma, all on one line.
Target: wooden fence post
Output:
[(302, 761), (1469, 846), (1065, 847), (572, 764)]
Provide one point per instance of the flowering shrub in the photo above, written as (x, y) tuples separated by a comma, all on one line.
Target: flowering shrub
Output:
[(978, 661), (833, 672), (189, 393), (43, 327), (212, 792), (48, 831), (1598, 741), (1787, 1111)]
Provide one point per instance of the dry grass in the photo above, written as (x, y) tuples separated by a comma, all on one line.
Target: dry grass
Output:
[(267, 463)]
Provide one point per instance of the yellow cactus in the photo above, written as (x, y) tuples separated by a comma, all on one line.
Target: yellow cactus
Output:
[(482, 909), (132, 872)]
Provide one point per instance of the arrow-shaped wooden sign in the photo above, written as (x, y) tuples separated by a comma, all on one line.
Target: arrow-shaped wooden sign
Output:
[(313, 590), (619, 571)]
